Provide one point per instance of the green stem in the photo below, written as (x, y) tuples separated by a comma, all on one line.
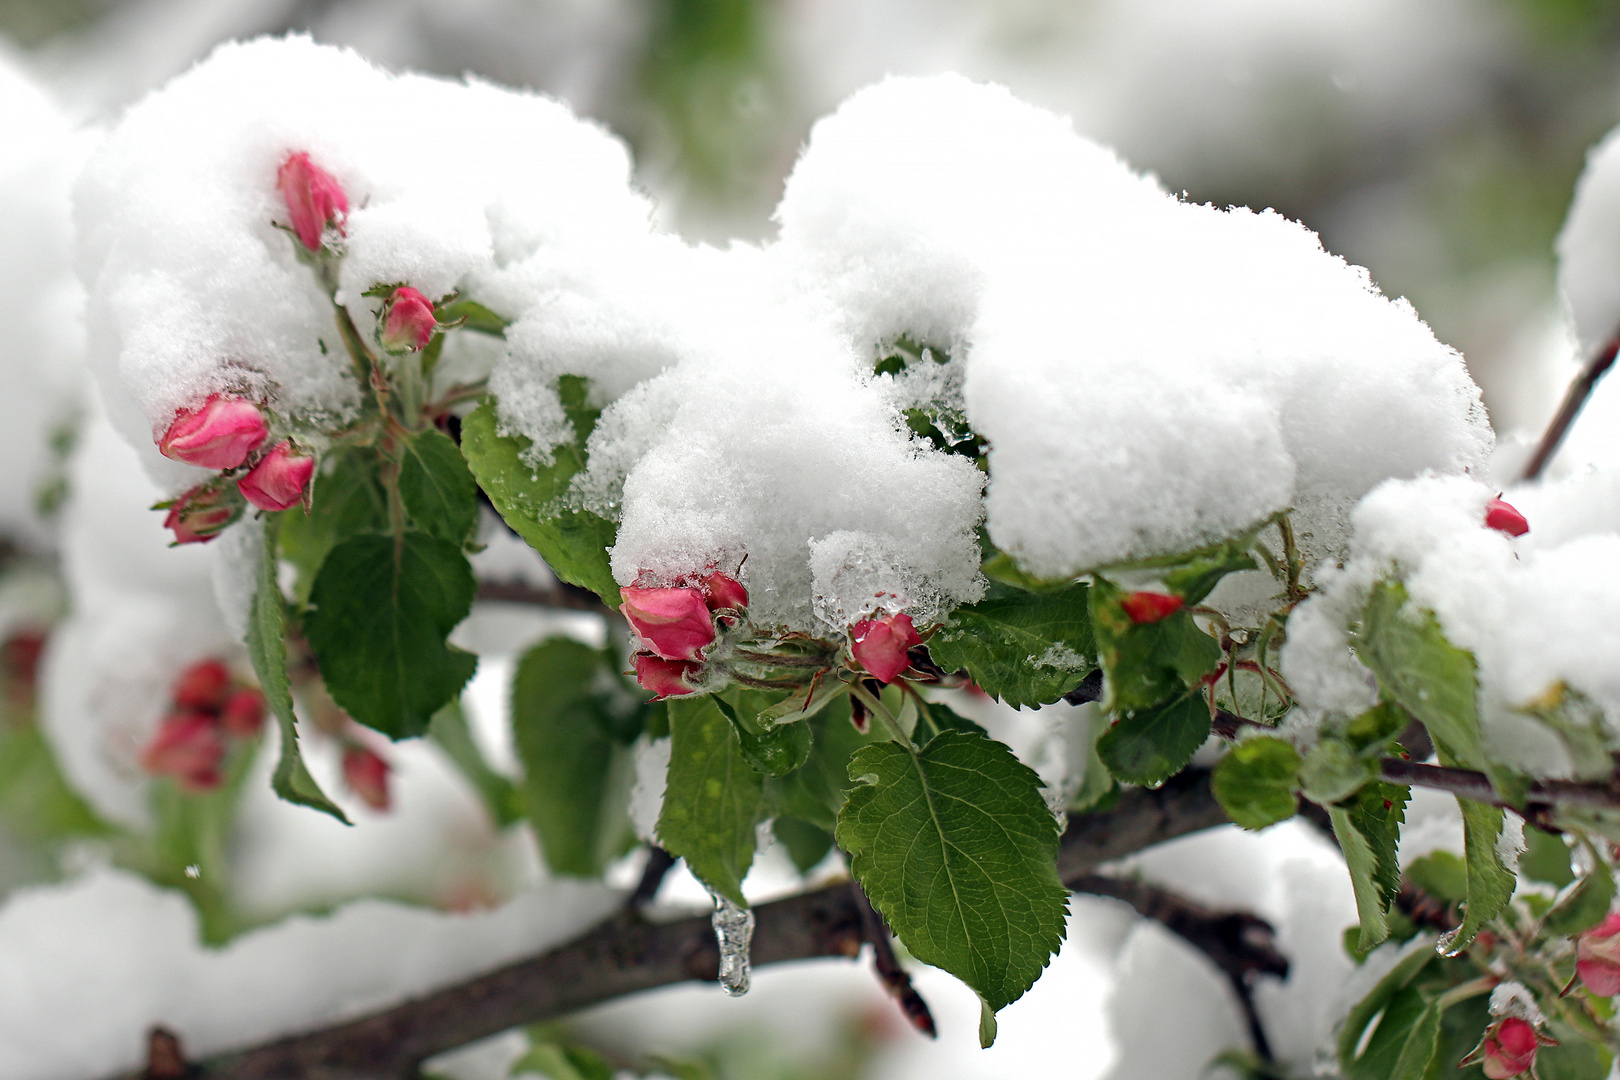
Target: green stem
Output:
[(876, 707), (1463, 991)]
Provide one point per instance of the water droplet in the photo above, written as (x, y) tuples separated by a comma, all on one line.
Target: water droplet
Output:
[(734, 933)]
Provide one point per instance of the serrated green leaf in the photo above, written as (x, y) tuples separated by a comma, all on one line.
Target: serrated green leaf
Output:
[(1147, 664), (1255, 782), (346, 499), (957, 849), (1414, 960), (1378, 810), (1433, 679), (1333, 772), (267, 649), (776, 750), (1490, 882), (1023, 649), (576, 759), (713, 798), (1363, 862), (807, 845), (1148, 746), (450, 732), (574, 543), (382, 609), (437, 488)]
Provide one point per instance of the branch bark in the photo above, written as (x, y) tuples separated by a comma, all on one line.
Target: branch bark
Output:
[(627, 954), (1574, 400)]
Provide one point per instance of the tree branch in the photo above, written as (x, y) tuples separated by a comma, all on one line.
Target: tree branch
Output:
[(895, 979), (627, 954), (559, 594), (1574, 399)]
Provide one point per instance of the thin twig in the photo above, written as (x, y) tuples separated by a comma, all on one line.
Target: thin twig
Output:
[(659, 864), (559, 594), (895, 979), (1241, 945), (1574, 399)]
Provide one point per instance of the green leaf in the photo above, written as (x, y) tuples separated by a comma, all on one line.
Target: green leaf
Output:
[(36, 802), (987, 1025), (1333, 772), (267, 649), (577, 767), (957, 849), (1148, 663), (573, 542), (1545, 858), (1574, 1058), (998, 566), (1419, 668), (815, 791), (1367, 832), (1417, 1049), (437, 487), (382, 609), (1024, 649), (1490, 882), (347, 499), (713, 798), (806, 844), (1148, 746), (1583, 906), (803, 704), (561, 1061), (1442, 875), (1378, 811), (775, 750), (450, 732), (1414, 959), (473, 316), (1255, 782), (1197, 577), (1372, 731)]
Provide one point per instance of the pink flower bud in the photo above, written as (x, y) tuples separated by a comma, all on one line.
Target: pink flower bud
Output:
[(202, 686), (242, 715), (202, 513), (674, 623), (366, 773), (724, 593), (1150, 607), (1597, 957), (665, 678), (277, 481), (1510, 1048), (879, 645), (187, 747), (408, 322), (1505, 519), (314, 199), (219, 435)]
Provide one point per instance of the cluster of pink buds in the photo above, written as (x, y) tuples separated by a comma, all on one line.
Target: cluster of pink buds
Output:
[(1504, 518), (1597, 957), (408, 321), (226, 433), (207, 710), (365, 772), (880, 645), (315, 200), (1509, 1048), (676, 625)]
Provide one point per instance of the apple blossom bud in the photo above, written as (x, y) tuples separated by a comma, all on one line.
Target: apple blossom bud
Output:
[(314, 199), (277, 481), (366, 773), (674, 623), (218, 435), (665, 678), (724, 592), (242, 715), (202, 686), (879, 645), (186, 746), (1509, 1048), (1505, 519), (1597, 957), (1150, 607), (202, 513), (408, 322)]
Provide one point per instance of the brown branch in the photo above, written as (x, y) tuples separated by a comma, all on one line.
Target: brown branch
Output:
[(659, 864), (558, 594), (895, 979), (627, 954), (1241, 945), (1574, 399), (1540, 795)]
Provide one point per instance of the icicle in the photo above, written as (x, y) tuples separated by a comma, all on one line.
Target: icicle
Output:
[(734, 933)]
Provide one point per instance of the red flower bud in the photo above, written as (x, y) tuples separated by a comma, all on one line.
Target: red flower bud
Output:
[(219, 435), (665, 678), (187, 747), (366, 773), (242, 715), (674, 623), (1150, 607), (277, 481), (1510, 1048), (1597, 957), (724, 592), (314, 199), (202, 513), (408, 321), (202, 686), (879, 645), (1505, 519)]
